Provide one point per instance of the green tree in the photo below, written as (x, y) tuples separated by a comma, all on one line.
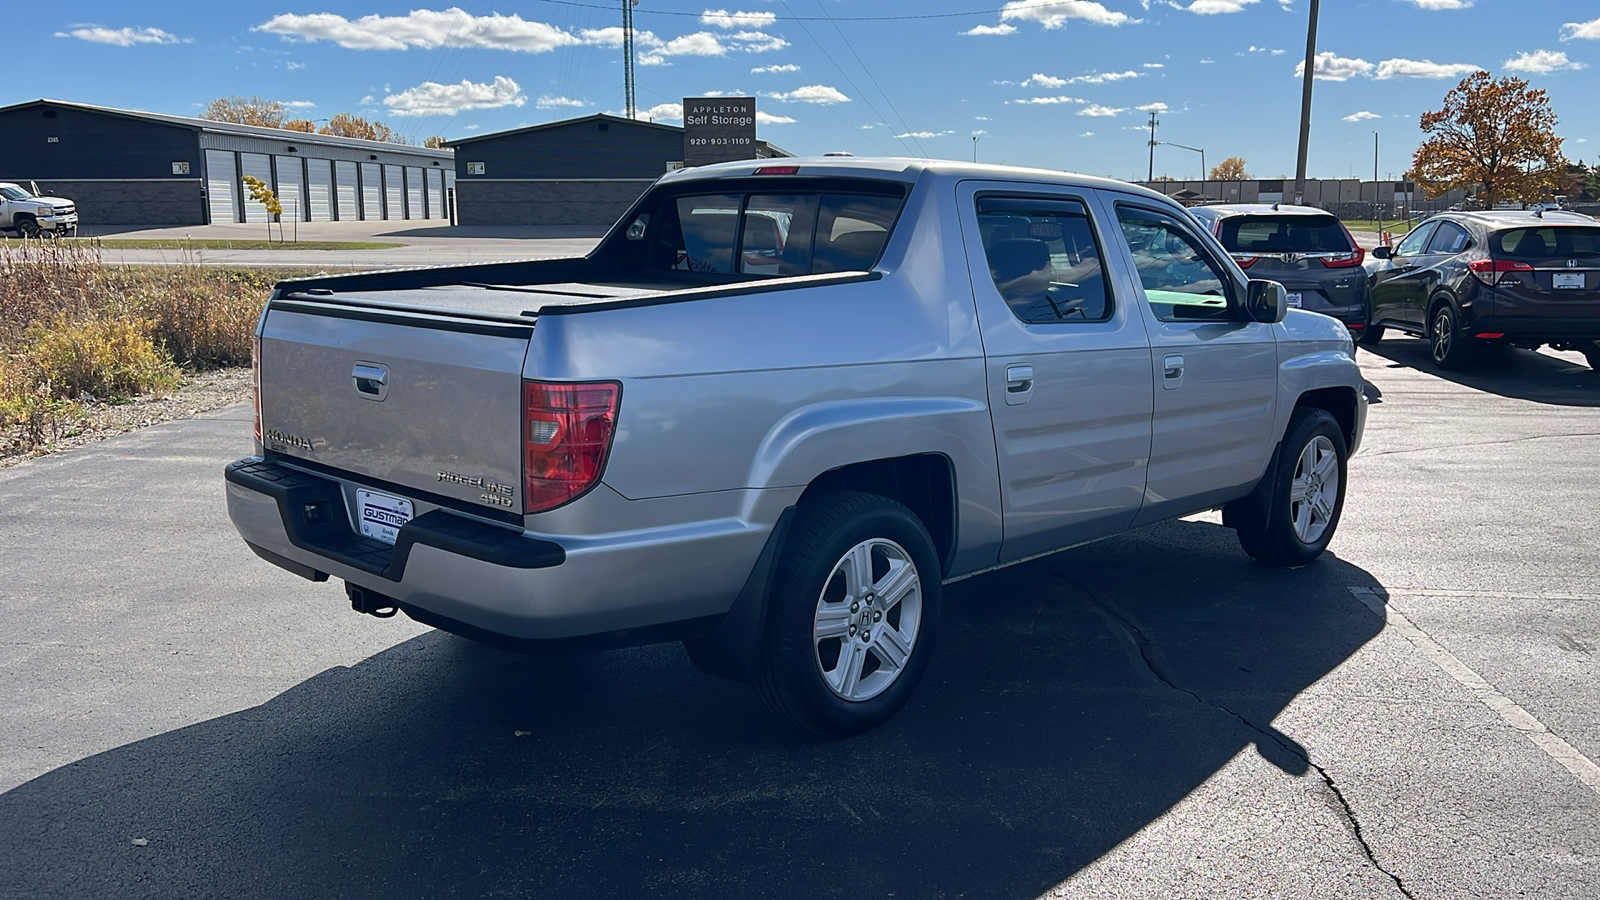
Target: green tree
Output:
[(1495, 135)]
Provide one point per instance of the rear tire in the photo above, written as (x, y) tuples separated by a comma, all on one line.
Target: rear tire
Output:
[(1307, 485), (1371, 335), (852, 617), (1592, 354), (1449, 347)]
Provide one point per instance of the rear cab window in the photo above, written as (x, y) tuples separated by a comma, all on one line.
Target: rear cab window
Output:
[(737, 235), (1044, 259)]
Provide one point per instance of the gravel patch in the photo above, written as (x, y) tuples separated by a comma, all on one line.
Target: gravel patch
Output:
[(100, 420)]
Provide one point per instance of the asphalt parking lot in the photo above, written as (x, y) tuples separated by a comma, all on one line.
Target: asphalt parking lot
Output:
[(1414, 715)]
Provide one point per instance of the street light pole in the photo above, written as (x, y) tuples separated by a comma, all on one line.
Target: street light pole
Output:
[(1305, 107), (1377, 198), (975, 147), (1199, 150), (1153, 123)]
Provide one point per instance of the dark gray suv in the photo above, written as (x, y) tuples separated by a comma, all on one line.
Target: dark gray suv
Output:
[(1307, 249)]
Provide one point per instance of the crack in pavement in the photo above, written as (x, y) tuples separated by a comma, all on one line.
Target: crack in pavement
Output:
[(1150, 655)]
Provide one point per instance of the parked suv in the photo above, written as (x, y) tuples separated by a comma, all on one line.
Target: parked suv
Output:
[(1465, 280), (23, 211), (1307, 250)]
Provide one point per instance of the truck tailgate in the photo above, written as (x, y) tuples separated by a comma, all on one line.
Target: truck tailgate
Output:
[(417, 402)]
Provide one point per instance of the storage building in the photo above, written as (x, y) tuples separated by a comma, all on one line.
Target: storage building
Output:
[(576, 172), (123, 167)]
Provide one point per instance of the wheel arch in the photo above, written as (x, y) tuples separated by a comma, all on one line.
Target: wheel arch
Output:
[(924, 483), (1340, 402)]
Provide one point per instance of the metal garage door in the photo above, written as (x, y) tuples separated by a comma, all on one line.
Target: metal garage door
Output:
[(291, 188), (436, 194), (222, 179), (257, 165), (345, 208), (319, 189), (394, 194), (414, 207), (371, 191)]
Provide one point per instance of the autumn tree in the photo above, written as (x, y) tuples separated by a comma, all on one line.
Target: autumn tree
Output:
[(353, 126), (1230, 169), (306, 125), (241, 111), (434, 142), (1496, 135)]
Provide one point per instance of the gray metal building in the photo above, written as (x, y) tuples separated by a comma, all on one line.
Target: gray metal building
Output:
[(123, 167), (576, 172)]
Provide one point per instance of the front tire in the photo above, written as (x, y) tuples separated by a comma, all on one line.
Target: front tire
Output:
[(1591, 353), (28, 228), (1307, 494), (1449, 347), (852, 617)]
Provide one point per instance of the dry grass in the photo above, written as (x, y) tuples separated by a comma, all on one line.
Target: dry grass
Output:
[(73, 327)]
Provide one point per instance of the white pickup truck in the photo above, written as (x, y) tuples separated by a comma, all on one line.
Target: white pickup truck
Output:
[(778, 407), (24, 212)]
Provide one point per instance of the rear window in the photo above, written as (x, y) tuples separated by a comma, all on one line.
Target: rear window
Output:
[(1284, 234), (767, 234), (1542, 243)]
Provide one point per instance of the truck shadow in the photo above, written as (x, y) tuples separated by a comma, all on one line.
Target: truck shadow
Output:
[(1506, 371), (1071, 703)]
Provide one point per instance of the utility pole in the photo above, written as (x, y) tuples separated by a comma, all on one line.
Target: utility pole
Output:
[(1305, 107), (627, 56), (1153, 123), (975, 147), (1377, 197)]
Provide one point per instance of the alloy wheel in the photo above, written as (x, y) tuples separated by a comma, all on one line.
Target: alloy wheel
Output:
[(867, 619)]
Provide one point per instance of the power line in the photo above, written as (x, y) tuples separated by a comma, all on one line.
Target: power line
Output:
[(870, 76), (848, 80), (764, 17)]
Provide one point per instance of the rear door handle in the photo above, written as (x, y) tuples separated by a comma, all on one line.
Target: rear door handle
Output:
[(1019, 384), (1171, 371)]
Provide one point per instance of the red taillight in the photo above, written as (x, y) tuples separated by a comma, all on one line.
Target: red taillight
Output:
[(255, 381), (1344, 260), (778, 170), (1244, 261), (1490, 335), (566, 434), (1490, 271)]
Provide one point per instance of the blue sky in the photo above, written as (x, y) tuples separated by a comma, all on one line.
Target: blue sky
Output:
[(1063, 84)]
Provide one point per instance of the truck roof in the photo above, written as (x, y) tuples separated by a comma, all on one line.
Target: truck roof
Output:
[(905, 169)]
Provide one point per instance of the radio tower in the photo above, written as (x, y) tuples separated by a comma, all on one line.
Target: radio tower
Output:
[(627, 55)]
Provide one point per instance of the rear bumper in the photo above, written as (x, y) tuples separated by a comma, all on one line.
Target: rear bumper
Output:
[(488, 580), (1537, 328)]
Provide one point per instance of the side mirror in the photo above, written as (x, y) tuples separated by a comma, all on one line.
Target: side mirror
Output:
[(1384, 252), (1267, 301)]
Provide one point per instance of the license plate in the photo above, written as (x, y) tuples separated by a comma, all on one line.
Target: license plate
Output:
[(381, 515), (1295, 300), (1569, 281)]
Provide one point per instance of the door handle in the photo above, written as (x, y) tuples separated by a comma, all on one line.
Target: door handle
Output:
[(371, 380), (1171, 371), (1019, 384)]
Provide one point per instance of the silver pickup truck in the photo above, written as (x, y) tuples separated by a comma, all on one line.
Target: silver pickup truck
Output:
[(778, 407)]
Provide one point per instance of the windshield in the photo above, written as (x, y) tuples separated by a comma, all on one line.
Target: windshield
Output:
[(1284, 234), (1539, 243), (13, 193)]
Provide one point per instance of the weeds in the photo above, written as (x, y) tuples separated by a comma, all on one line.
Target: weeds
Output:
[(74, 328)]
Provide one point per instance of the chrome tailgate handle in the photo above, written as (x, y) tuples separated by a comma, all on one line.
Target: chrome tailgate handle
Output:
[(371, 380)]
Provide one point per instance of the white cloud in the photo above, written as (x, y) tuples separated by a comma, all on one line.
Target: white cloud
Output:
[(1055, 13), (991, 29), (759, 41), (613, 37), (1422, 68), (721, 18), (1253, 49), (1043, 81), (121, 37), (1333, 67), (1098, 110), (786, 67), (981, 118), (1207, 61), (299, 104), (1584, 31), (766, 118), (924, 134), (668, 111), (1359, 116), (368, 100), (1047, 101), (1103, 77), (294, 66), (549, 102), (433, 99), (1157, 108), (1154, 65), (700, 43), (979, 132), (813, 93), (1542, 62), (1442, 4), (1087, 134), (423, 28), (1214, 7)]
